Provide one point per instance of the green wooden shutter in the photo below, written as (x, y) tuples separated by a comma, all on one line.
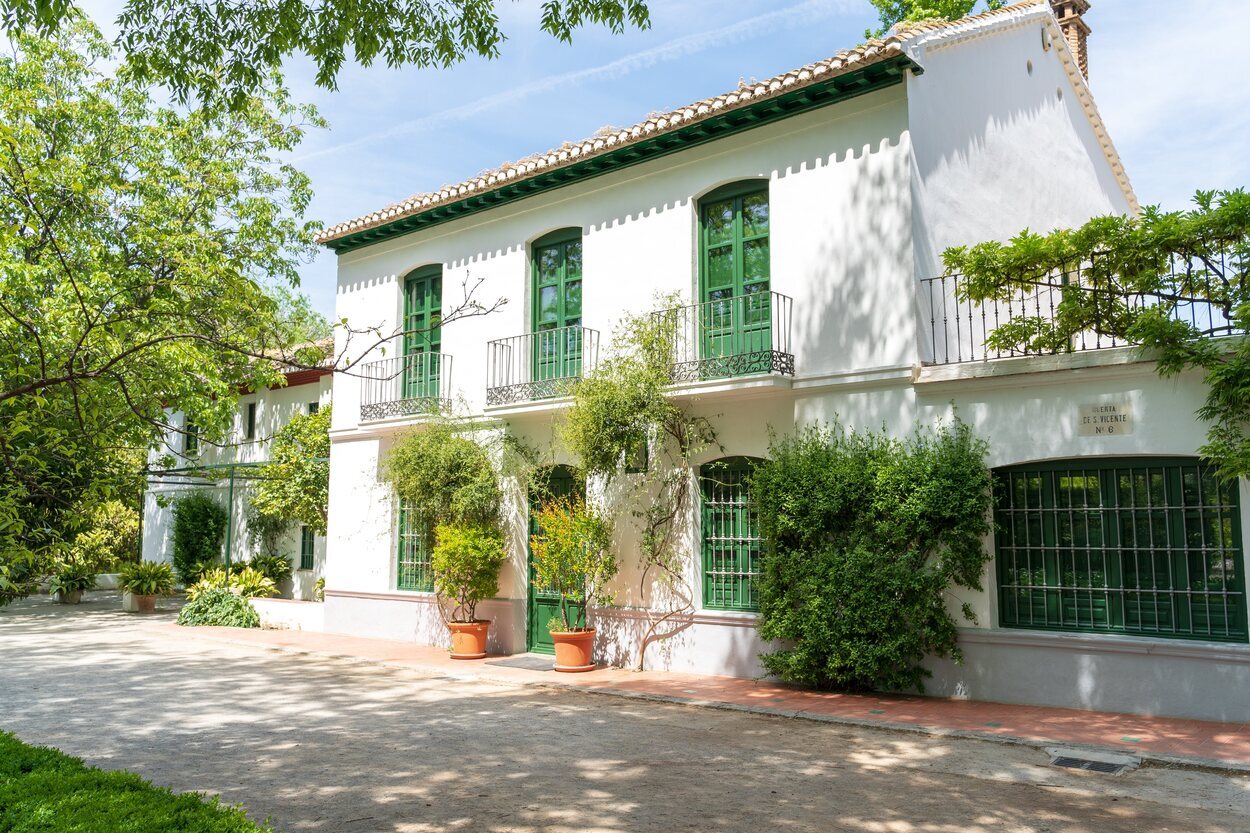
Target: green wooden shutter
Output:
[(734, 271), (730, 536), (423, 307), (307, 544), (1144, 546), (557, 306)]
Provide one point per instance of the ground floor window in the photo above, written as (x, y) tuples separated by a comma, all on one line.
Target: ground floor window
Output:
[(1143, 546), (731, 542), (413, 567), (307, 541)]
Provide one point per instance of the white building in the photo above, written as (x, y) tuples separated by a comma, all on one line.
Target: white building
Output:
[(840, 184), (230, 467)]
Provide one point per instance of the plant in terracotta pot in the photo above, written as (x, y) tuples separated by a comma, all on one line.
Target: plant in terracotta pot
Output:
[(466, 561), (145, 581), (572, 553), (69, 582)]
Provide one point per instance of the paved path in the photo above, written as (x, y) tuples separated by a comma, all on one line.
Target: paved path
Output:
[(324, 744), (1164, 740)]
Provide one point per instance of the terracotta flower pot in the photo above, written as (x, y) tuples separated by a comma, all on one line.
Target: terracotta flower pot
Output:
[(574, 650), (145, 604), (468, 639)]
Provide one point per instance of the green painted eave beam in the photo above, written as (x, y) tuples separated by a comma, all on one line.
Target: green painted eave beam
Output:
[(821, 94)]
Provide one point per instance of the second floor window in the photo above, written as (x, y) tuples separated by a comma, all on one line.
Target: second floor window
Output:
[(557, 305), (423, 338), (191, 440), (249, 427), (735, 316)]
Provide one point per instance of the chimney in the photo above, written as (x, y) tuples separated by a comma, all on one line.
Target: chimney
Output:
[(1075, 29)]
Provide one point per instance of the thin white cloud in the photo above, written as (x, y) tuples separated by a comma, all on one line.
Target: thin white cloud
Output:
[(805, 12)]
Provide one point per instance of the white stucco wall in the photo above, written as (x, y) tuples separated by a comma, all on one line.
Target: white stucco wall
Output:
[(274, 408)]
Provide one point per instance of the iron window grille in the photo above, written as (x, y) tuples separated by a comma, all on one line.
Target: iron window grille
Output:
[(413, 569), (730, 536), (1136, 546)]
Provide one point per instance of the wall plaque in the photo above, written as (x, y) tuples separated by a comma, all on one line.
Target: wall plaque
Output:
[(1105, 419)]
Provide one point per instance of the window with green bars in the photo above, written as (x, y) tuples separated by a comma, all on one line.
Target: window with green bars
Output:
[(1143, 546), (731, 542), (307, 545), (413, 570)]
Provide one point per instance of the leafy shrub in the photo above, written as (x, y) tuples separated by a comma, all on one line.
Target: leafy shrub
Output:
[(244, 582), (864, 535), (265, 532), (572, 554), (45, 790), (252, 584), (72, 578), (445, 476), (199, 527), (111, 539), (147, 578), (319, 590), (219, 607), (276, 567), (215, 578), (466, 559), (295, 484)]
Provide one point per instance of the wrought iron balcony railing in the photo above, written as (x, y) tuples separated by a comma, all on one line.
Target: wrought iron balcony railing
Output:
[(539, 365), (1089, 302), (404, 386), (742, 335)]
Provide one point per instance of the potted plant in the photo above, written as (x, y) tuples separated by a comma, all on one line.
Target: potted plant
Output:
[(70, 581), (466, 560), (145, 581), (572, 554)]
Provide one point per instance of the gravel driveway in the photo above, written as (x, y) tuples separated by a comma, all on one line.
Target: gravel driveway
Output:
[(327, 745)]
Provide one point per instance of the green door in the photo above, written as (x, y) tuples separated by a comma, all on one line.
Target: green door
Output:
[(554, 482), (735, 317), (557, 305), (423, 307)]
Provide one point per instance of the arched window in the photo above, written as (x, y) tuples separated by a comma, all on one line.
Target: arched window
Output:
[(735, 272), (1138, 545), (730, 535), (423, 336), (556, 271)]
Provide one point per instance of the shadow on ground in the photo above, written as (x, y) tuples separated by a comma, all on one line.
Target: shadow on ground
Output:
[(319, 744)]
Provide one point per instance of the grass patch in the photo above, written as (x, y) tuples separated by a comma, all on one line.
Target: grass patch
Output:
[(43, 790)]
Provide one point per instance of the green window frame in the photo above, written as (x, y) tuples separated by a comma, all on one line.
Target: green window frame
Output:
[(250, 425), (191, 440), (1141, 546), (735, 273), (307, 548), (556, 305), (729, 534), (413, 570), (423, 332)]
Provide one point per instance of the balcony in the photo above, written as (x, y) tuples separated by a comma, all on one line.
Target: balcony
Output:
[(725, 338), (1080, 307), (540, 365), (404, 386)]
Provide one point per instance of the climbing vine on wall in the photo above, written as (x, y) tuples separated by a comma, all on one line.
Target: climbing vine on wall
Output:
[(625, 430)]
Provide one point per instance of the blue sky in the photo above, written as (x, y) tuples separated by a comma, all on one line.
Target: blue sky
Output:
[(1164, 76)]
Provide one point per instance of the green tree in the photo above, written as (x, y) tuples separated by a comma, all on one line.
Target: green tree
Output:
[(214, 48), (199, 529), (137, 243), (1143, 280), (893, 12), (295, 483)]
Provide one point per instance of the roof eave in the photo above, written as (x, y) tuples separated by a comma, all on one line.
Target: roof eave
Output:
[(860, 81)]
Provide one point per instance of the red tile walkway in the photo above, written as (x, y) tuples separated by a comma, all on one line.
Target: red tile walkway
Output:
[(1168, 740)]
